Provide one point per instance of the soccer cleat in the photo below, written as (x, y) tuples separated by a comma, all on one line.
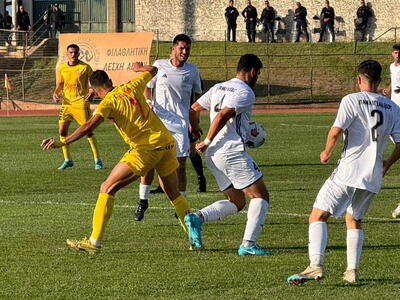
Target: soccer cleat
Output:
[(201, 180), (194, 223), (138, 215), (311, 273), (157, 190), (351, 276), (66, 164), (253, 250), (98, 164), (396, 212), (83, 245)]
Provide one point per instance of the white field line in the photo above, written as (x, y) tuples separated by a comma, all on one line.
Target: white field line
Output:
[(156, 208), (305, 125)]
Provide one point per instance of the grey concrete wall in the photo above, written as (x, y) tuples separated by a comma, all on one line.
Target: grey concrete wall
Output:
[(204, 19)]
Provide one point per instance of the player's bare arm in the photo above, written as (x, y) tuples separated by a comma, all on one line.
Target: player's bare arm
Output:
[(194, 118), (89, 127), (392, 158), (58, 90), (217, 124), (331, 141)]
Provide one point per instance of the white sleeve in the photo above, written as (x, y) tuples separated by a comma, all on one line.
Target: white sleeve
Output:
[(241, 101), (345, 114), (395, 134), (152, 83), (197, 81), (205, 100)]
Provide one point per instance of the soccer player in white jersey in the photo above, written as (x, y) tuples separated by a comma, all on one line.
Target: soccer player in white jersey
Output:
[(230, 104), (172, 90), (367, 120), (394, 89)]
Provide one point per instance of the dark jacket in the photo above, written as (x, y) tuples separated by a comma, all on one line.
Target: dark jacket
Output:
[(250, 12), (300, 14), (57, 18), (23, 21), (363, 13), (231, 14), (268, 15), (328, 13)]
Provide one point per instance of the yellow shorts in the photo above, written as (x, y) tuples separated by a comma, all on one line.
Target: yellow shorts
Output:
[(81, 114), (162, 159)]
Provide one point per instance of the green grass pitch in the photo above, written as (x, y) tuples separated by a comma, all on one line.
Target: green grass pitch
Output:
[(41, 207)]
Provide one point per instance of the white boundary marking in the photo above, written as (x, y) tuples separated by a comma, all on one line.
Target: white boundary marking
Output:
[(158, 208), (305, 125)]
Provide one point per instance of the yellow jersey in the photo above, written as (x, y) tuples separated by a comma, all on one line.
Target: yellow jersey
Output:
[(136, 122), (76, 82)]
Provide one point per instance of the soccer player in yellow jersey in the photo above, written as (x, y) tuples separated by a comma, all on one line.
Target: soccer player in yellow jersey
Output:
[(73, 81), (151, 147)]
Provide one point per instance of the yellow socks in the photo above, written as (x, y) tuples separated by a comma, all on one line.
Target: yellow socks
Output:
[(65, 149), (102, 213), (93, 146), (182, 208)]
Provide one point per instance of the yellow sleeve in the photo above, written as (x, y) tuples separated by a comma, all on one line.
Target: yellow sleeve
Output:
[(104, 109), (139, 82)]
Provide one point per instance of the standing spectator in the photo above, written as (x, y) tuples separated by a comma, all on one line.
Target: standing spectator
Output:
[(7, 21), (47, 19), (363, 14), (268, 20), (231, 14), (327, 20), (300, 15), (250, 17), (23, 21), (57, 20)]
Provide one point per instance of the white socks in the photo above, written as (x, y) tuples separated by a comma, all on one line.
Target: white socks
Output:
[(355, 240), (318, 238), (218, 210), (144, 191), (258, 209)]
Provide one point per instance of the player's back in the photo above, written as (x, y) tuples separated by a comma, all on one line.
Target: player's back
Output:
[(368, 119)]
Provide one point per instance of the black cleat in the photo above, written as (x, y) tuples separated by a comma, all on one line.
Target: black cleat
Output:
[(157, 190), (138, 215), (202, 184)]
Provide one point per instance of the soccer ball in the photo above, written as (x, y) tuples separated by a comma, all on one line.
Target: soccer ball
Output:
[(256, 135)]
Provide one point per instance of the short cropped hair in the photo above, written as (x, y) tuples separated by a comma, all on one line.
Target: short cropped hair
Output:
[(371, 69), (100, 79), (182, 38), (396, 47), (247, 62), (75, 46)]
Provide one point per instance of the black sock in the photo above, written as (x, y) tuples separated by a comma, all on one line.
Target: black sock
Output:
[(197, 164)]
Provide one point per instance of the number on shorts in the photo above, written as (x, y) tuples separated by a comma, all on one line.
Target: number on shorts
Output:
[(218, 106), (379, 122)]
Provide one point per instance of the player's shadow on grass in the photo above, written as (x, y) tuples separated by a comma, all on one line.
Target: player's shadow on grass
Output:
[(369, 282)]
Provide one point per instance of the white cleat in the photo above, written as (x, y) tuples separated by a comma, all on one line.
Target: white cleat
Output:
[(396, 212), (351, 276)]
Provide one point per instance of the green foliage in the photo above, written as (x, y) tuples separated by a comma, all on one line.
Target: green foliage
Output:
[(42, 207)]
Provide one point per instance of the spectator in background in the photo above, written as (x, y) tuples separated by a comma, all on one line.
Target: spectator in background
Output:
[(231, 14), (268, 20), (361, 23), (47, 19), (57, 21), (7, 21), (300, 15), (23, 21), (327, 20), (250, 17)]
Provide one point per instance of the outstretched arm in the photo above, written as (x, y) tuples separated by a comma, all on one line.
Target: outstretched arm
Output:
[(331, 141), (82, 131)]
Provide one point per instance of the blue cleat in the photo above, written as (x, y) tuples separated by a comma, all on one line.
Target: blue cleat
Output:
[(98, 164), (66, 164), (311, 273), (253, 250), (194, 223)]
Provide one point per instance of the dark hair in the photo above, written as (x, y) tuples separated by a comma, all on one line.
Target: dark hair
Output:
[(75, 46), (247, 62), (371, 69), (100, 79), (182, 38), (396, 47)]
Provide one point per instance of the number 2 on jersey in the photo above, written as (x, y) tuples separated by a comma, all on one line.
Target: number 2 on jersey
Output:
[(378, 123)]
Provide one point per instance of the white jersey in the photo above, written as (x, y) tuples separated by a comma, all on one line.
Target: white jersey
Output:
[(367, 119), (173, 90), (395, 83), (236, 94)]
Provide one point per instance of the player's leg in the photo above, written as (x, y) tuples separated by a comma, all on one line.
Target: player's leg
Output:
[(81, 116), (119, 177), (144, 195), (197, 163), (181, 174), (63, 126), (396, 212), (323, 29)]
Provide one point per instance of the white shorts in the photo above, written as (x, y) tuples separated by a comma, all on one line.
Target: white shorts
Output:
[(235, 168), (182, 143), (337, 198)]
